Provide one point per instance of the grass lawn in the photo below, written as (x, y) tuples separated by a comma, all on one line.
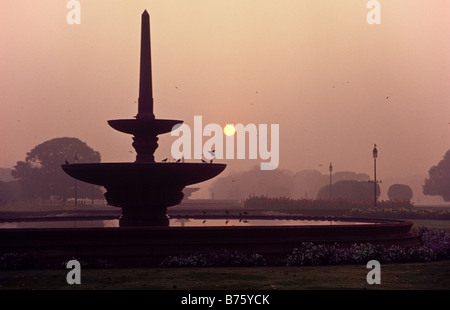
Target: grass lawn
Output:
[(432, 224), (408, 276)]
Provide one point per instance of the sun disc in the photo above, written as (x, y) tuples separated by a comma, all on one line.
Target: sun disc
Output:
[(229, 130)]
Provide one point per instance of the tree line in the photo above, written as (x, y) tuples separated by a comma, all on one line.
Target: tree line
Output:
[(39, 177)]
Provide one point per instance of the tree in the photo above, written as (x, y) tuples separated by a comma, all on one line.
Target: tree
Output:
[(438, 182), (41, 176), (399, 192), (271, 183), (354, 190), (9, 191)]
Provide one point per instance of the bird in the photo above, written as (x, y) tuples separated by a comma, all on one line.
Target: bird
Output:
[(67, 162), (164, 160)]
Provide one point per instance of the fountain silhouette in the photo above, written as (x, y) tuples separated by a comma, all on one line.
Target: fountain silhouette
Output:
[(144, 189)]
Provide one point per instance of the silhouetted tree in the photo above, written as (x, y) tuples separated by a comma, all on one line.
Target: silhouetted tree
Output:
[(307, 183), (9, 191), (399, 192), (41, 176), (438, 182), (354, 190), (4, 194), (271, 183)]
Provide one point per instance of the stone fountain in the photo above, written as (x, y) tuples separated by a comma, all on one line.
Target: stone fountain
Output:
[(144, 189)]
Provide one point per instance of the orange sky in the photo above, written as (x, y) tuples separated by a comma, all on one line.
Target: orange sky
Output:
[(313, 66)]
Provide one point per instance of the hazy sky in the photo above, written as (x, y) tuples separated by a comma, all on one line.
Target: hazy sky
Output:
[(334, 83)]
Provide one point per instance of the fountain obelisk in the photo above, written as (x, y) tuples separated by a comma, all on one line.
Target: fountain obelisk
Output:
[(145, 101)]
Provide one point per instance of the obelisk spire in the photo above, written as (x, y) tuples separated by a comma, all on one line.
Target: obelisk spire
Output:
[(145, 101)]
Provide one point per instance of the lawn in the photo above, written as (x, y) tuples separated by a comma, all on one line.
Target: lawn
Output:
[(432, 224), (408, 276)]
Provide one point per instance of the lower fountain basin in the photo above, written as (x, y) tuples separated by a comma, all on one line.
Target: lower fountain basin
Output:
[(149, 246)]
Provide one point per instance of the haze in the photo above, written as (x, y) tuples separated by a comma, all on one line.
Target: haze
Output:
[(335, 84)]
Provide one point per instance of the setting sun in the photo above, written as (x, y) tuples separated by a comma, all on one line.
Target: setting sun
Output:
[(229, 130)]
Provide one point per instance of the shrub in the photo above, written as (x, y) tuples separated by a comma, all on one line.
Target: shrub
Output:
[(435, 246), (214, 259)]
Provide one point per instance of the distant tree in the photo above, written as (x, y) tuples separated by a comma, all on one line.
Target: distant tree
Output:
[(400, 192), (271, 183), (41, 177), (9, 191), (4, 194), (307, 183), (353, 190), (438, 182)]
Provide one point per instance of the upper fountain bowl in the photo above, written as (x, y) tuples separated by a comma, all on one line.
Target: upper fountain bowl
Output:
[(144, 126)]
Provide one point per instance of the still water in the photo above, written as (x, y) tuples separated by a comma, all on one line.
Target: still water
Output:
[(175, 222)]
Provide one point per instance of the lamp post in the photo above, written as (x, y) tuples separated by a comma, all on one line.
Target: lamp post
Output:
[(76, 184), (330, 168), (375, 181)]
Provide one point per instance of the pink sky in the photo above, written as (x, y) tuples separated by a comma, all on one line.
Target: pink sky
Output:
[(315, 67)]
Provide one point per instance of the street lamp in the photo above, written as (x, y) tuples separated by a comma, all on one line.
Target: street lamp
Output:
[(76, 184), (375, 181), (330, 168)]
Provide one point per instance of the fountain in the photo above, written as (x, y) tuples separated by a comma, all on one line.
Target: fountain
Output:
[(144, 189)]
